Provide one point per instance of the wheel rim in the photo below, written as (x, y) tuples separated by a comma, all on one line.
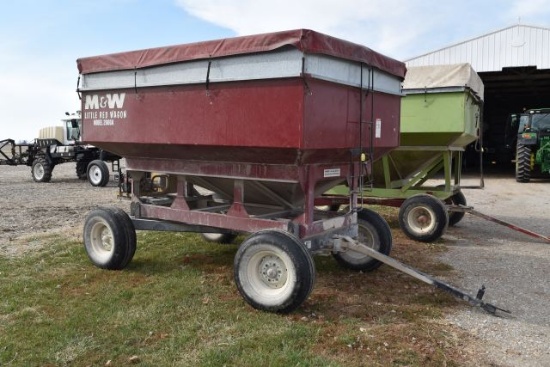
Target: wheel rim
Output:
[(421, 219), (273, 271), (101, 241), (38, 171), (271, 276), (95, 175), (367, 238)]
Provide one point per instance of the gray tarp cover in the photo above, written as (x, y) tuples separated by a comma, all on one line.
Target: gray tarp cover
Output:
[(443, 76)]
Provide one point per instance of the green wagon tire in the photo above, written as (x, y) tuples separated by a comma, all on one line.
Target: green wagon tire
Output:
[(423, 218), (456, 199)]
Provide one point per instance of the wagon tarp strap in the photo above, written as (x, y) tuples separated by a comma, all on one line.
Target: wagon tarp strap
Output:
[(349, 244), (208, 76)]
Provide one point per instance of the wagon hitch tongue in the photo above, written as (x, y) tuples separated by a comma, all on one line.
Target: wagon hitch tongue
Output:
[(343, 243)]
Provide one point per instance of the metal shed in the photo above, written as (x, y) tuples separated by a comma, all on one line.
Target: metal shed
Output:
[(514, 65)]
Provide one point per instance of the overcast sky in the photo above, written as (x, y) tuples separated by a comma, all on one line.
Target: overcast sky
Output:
[(40, 40)]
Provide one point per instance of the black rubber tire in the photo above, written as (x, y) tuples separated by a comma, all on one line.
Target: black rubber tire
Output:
[(41, 170), (523, 163), (222, 238), (106, 239), (130, 232), (82, 170), (375, 233), (98, 173), (456, 199), (423, 218), (274, 271)]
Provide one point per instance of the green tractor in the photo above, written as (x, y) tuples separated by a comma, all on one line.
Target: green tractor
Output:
[(533, 144)]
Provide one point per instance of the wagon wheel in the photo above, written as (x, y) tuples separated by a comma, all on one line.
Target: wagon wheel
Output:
[(456, 199), (375, 233), (523, 163), (274, 271), (423, 218), (109, 238), (130, 232), (41, 170), (98, 173), (223, 238)]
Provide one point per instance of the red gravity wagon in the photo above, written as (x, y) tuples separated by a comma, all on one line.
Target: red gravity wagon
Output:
[(240, 136)]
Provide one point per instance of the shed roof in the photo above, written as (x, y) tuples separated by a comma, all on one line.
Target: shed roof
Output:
[(514, 46)]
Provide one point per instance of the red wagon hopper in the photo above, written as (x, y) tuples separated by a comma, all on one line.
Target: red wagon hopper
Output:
[(241, 135)]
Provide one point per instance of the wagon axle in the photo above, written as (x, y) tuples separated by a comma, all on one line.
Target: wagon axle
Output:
[(273, 269)]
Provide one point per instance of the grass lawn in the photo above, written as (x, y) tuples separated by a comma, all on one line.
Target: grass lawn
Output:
[(176, 304)]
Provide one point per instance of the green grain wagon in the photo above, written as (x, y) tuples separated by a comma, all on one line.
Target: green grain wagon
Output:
[(440, 115)]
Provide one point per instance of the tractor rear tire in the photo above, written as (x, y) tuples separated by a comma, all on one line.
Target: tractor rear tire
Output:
[(109, 240), (423, 218), (274, 271), (374, 232), (523, 163), (41, 170), (98, 173)]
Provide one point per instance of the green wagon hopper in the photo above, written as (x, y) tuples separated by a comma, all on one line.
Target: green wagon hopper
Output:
[(440, 116)]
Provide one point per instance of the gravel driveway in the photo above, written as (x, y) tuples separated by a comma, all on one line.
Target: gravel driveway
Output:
[(513, 267), (30, 208)]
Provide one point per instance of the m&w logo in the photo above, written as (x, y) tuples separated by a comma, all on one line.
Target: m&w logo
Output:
[(96, 101)]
